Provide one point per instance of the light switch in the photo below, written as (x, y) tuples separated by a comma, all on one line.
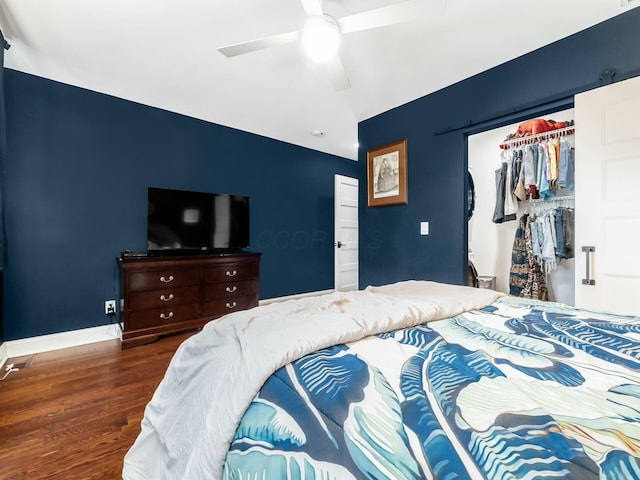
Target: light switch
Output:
[(424, 228)]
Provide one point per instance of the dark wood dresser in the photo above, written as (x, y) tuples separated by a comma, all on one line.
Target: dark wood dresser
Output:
[(161, 295)]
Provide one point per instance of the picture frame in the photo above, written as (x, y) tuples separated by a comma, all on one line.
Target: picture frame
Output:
[(387, 175)]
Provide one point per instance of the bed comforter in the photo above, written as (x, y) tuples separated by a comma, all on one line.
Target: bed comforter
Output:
[(413, 380)]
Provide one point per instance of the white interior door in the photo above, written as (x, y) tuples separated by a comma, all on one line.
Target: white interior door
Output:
[(607, 201), (346, 233)]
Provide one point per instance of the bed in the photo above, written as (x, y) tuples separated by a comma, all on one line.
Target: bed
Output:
[(405, 381)]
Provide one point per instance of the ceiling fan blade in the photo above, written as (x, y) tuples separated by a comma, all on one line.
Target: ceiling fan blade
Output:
[(259, 44), (313, 8), (379, 17), (337, 74)]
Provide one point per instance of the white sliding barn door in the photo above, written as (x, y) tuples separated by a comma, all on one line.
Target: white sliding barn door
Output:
[(346, 233), (608, 197)]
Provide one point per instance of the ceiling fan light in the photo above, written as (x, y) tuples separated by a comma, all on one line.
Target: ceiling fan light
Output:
[(321, 38)]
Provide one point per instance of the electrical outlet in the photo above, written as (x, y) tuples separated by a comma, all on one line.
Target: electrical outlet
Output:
[(110, 307)]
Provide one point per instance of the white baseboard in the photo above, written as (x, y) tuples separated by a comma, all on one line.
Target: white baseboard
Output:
[(56, 341), (85, 336)]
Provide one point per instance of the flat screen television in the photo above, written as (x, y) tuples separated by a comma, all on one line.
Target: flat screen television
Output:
[(180, 221)]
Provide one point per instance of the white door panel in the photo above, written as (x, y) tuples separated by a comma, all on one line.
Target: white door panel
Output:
[(607, 204), (346, 233)]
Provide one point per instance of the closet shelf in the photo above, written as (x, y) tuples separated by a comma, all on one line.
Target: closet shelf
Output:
[(558, 199), (517, 141), (539, 205)]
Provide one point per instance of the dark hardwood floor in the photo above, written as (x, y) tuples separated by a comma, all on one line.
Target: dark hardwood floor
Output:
[(74, 413)]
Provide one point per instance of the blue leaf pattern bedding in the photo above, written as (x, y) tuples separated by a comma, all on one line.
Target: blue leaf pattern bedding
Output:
[(518, 389)]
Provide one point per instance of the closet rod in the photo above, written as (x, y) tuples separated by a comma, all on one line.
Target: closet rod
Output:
[(558, 132), (539, 107)]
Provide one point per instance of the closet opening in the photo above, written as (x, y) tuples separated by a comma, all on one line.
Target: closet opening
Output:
[(492, 229)]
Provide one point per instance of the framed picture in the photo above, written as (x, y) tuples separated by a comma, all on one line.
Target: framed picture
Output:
[(387, 175)]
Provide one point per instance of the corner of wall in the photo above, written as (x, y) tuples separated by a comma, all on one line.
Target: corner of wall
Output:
[(4, 354)]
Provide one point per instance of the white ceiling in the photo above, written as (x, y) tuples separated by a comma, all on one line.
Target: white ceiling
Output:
[(163, 53)]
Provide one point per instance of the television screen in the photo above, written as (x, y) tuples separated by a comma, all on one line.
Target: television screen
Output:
[(180, 220)]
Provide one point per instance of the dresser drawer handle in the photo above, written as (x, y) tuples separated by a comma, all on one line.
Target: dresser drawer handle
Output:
[(164, 317), (231, 274), (231, 289), (167, 280), (166, 299), (231, 305)]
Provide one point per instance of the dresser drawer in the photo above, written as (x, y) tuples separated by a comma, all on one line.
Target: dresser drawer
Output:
[(230, 289), (162, 295), (161, 279), (166, 298), (219, 307), (162, 316), (229, 271)]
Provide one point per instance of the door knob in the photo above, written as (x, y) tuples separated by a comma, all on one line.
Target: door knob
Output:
[(338, 244)]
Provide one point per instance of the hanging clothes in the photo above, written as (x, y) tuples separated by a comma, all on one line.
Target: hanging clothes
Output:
[(530, 165), (566, 166), (549, 261), (544, 189), (561, 250), (519, 260), (499, 214), (536, 285), (539, 166), (542, 239), (536, 168), (498, 211), (564, 232), (554, 149), (568, 231), (510, 200)]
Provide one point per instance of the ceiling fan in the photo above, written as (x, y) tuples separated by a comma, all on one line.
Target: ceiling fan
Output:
[(321, 33)]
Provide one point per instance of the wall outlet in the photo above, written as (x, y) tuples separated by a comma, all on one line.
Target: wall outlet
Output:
[(110, 307)]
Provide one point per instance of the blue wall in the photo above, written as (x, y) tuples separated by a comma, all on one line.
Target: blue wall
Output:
[(391, 247), (77, 171)]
